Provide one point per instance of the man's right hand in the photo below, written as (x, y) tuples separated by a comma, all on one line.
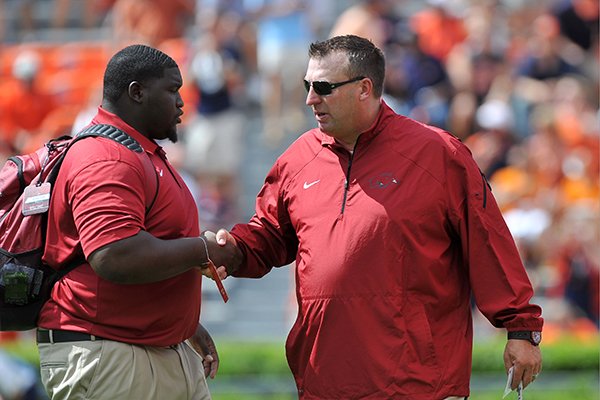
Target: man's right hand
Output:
[(223, 252)]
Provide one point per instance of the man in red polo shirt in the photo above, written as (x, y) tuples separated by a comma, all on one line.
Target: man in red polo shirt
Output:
[(116, 327)]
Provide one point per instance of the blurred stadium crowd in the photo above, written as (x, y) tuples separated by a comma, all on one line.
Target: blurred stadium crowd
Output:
[(516, 80)]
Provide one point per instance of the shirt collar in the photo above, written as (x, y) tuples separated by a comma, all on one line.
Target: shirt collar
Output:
[(106, 117), (383, 117)]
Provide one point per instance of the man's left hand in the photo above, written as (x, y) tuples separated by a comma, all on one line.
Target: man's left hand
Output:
[(527, 360), (204, 345)]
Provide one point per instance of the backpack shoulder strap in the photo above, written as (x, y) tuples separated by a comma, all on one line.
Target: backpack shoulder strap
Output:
[(103, 130), (20, 176), (110, 132)]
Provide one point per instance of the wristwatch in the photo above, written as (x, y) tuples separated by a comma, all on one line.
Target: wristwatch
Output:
[(534, 337)]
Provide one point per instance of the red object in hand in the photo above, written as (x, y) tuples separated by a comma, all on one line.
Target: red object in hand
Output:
[(215, 275)]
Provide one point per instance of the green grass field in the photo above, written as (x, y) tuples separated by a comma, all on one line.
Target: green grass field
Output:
[(575, 385), (533, 394)]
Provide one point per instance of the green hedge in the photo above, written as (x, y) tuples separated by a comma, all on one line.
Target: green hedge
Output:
[(268, 358), (567, 354), (248, 358)]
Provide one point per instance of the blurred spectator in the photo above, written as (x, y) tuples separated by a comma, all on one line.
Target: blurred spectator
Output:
[(88, 14), (242, 32), (27, 17), (579, 21), (528, 222), (214, 136), (34, 16), (284, 32), (438, 30), (367, 18), (477, 67), (515, 183), (575, 103), (473, 78), (578, 263), (544, 59), (417, 84), (24, 104), (151, 22), (491, 144)]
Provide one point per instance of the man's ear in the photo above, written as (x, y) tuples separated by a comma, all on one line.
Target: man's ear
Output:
[(366, 87), (135, 91)]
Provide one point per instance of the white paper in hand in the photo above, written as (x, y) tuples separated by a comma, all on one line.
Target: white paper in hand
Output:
[(507, 389)]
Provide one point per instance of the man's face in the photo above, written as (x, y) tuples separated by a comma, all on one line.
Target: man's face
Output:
[(334, 112), (164, 105)]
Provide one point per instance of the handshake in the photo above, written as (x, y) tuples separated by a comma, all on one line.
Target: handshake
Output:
[(223, 257)]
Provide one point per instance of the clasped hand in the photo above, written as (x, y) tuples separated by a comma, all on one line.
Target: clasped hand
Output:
[(223, 252)]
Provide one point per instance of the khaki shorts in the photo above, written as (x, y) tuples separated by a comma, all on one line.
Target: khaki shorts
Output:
[(105, 369)]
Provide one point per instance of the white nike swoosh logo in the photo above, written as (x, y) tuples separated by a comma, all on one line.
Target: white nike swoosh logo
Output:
[(307, 185)]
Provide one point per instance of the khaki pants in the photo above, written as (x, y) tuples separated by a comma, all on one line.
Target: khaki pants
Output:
[(108, 370)]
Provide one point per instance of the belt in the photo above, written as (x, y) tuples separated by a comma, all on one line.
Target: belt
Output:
[(58, 336)]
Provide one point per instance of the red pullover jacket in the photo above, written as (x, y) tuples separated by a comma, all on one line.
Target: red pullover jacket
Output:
[(389, 243)]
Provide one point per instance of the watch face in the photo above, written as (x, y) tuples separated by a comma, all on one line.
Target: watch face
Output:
[(536, 337)]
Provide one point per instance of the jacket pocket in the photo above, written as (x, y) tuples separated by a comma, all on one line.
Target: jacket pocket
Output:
[(421, 367)]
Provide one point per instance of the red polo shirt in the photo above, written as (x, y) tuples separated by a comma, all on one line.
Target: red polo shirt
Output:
[(101, 196)]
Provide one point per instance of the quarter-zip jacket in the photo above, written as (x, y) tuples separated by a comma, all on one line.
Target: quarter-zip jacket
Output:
[(389, 242)]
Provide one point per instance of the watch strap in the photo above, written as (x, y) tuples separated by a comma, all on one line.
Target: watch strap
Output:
[(533, 337)]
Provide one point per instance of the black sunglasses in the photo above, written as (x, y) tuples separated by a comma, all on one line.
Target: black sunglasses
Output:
[(323, 88)]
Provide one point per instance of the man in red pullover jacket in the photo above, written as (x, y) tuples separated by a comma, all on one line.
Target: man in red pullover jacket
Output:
[(392, 228)]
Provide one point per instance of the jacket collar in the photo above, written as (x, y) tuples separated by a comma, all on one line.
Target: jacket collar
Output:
[(105, 117), (381, 121)]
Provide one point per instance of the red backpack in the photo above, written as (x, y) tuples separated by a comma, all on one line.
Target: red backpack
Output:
[(25, 188)]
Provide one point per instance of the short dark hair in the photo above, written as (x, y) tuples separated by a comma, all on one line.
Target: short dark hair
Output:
[(364, 58), (133, 63)]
